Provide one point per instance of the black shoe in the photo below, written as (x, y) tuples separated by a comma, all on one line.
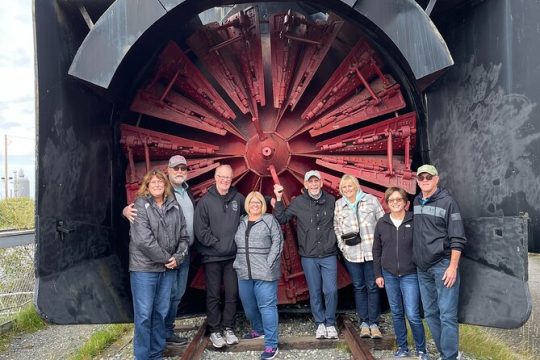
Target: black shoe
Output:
[(177, 340)]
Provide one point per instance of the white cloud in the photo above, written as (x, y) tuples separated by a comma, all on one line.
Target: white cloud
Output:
[(17, 109)]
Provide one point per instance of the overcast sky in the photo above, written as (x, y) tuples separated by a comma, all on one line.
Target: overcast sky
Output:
[(17, 112)]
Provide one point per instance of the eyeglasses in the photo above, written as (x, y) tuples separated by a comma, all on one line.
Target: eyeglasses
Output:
[(180, 168), (226, 178), (396, 200), (255, 203), (428, 177)]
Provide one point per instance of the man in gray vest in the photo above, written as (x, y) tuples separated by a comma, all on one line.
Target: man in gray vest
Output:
[(177, 173)]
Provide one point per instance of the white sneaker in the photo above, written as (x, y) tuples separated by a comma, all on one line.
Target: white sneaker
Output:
[(217, 340), (230, 338), (321, 332), (331, 332)]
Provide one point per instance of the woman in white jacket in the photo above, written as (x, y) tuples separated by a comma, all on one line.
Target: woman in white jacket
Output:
[(355, 216)]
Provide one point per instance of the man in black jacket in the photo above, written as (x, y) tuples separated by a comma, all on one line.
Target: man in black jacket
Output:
[(317, 247), (177, 172), (216, 220), (438, 240)]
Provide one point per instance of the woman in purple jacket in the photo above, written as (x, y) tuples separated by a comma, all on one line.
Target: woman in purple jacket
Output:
[(394, 270)]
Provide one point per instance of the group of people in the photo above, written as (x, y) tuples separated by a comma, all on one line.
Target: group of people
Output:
[(413, 256)]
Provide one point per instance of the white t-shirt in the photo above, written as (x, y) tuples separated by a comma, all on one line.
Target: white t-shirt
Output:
[(396, 222)]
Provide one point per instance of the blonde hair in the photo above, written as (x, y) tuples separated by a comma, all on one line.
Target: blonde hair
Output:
[(257, 195), (143, 189), (348, 177)]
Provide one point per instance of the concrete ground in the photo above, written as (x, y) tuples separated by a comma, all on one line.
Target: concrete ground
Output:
[(526, 337)]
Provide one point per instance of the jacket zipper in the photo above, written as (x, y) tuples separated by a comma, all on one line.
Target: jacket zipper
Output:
[(397, 247)]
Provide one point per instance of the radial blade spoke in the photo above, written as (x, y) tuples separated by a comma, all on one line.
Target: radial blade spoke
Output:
[(201, 188), (361, 107), (298, 46), (233, 54), (139, 141), (176, 71), (344, 81), (373, 139), (303, 145), (294, 288), (374, 169), (176, 108)]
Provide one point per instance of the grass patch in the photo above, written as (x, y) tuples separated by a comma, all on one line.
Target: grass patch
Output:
[(17, 213), (26, 321), (481, 345), (477, 343), (100, 340)]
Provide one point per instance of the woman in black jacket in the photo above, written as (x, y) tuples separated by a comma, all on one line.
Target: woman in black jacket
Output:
[(395, 270)]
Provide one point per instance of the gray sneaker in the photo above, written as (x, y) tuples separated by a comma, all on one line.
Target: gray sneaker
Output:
[(217, 340), (230, 338)]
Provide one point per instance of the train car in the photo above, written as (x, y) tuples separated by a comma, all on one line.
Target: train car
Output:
[(367, 87)]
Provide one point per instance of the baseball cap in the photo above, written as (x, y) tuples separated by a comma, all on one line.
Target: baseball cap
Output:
[(177, 160), (430, 169), (312, 173)]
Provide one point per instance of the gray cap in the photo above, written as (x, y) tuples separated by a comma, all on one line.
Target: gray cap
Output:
[(177, 160), (312, 173)]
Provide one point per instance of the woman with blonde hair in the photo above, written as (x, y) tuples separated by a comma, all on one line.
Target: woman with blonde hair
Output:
[(259, 243), (159, 242), (355, 216)]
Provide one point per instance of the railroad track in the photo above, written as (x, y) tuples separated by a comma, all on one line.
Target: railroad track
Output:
[(349, 335)]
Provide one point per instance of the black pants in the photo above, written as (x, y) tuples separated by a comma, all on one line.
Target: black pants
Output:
[(217, 273)]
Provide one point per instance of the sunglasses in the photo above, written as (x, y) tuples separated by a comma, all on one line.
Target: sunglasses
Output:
[(428, 177), (180, 167)]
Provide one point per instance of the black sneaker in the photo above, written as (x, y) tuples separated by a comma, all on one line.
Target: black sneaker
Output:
[(178, 340)]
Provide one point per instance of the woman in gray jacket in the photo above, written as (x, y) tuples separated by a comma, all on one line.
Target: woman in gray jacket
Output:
[(259, 243), (158, 242)]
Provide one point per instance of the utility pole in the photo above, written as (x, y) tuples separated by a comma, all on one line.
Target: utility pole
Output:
[(5, 166)]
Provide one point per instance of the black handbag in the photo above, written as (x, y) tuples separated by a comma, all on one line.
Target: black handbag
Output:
[(351, 239)]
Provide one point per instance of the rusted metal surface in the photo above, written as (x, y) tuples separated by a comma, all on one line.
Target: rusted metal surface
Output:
[(278, 144), (344, 81), (232, 53), (298, 46)]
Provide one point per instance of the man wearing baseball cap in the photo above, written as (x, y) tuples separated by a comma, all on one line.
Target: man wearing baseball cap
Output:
[(177, 174), (438, 240), (317, 247)]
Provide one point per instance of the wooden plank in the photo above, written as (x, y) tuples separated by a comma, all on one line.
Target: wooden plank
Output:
[(285, 343)]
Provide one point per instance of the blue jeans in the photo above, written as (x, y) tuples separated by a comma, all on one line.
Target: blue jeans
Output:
[(441, 308), (321, 277), (366, 292), (259, 299), (404, 291), (151, 293), (178, 289)]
